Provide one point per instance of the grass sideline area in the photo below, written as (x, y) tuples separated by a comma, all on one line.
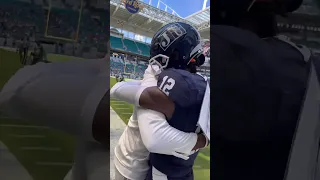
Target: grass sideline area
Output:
[(55, 160), (202, 164)]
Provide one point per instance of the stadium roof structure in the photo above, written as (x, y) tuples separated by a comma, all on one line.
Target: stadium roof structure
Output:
[(150, 19), (202, 21)]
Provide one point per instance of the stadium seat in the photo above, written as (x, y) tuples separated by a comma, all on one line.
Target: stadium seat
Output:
[(116, 43), (131, 46), (145, 50)]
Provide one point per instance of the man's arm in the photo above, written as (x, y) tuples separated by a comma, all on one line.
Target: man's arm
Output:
[(159, 137), (153, 98)]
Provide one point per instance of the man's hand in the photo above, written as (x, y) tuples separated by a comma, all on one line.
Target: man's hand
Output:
[(202, 142)]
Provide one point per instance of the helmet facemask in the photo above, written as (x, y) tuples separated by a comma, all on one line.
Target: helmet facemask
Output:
[(159, 62)]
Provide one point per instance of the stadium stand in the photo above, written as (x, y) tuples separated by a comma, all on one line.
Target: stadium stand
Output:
[(303, 26), (80, 29), (130, 46), (17, 18), (116, 43), (144, 48)]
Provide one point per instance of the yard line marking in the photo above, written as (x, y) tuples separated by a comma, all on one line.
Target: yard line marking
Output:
[(23, 126), (41, 148), (27, 136), (119, 104), (54, 164), (114, 101), (121, 108), (126, 113)]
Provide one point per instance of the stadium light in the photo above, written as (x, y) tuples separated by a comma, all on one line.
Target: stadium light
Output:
[(204, 4), (166, 8)]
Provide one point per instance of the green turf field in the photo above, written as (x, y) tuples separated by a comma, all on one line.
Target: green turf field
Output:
[(54, 160), (202, 165)]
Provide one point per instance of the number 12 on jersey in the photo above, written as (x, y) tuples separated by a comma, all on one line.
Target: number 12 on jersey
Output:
[(167, 84)]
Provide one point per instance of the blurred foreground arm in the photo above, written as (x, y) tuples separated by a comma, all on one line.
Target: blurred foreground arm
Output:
[(67, 96)]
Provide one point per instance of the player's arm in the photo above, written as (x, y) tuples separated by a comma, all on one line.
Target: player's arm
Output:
[(159, 137), (147, 97), (153, 98)]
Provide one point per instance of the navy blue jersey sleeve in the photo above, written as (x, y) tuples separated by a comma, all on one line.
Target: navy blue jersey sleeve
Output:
[(175, 85)]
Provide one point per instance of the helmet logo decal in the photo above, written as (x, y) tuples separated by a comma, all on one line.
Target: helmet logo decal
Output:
[(171, 34)]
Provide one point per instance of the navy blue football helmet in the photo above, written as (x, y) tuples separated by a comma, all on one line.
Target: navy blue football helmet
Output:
[(176, 45)]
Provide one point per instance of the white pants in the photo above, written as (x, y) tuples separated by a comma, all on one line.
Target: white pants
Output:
[(118, 175), (157, 175)]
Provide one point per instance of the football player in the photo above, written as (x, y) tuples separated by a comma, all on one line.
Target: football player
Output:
[(20, 51), (25, 45), (38, 54), (173, 93)]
